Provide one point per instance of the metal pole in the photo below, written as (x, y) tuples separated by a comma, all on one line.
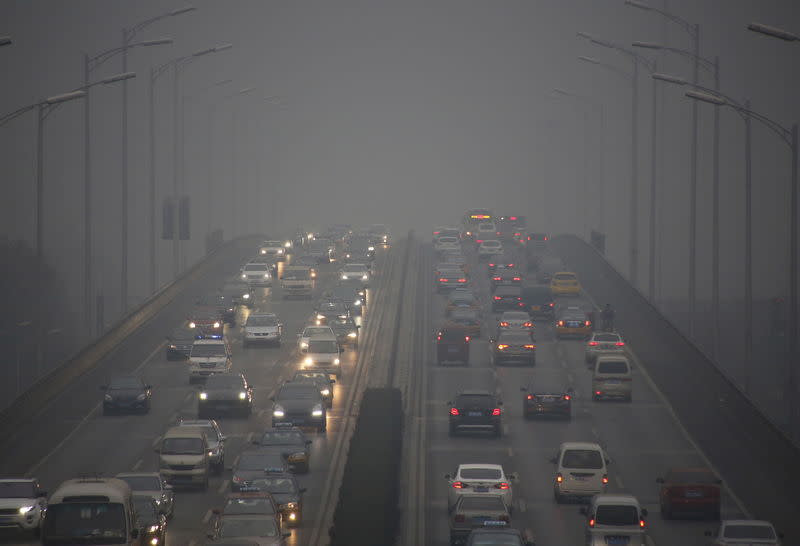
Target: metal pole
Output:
[(41, 112), (123, 294), (182, 177), (585, 197), (634, 192), (87, 203), (748, 250), (693, 188), (602, 179), (175, 174), (234, 182), (209, 176), (651, 280), (152, 188), (715, 228), (792, 337)]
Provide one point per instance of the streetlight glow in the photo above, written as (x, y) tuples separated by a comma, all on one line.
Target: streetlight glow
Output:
[(118, 77), (706, 97), (669, 78), (775, 32), (64, 97)]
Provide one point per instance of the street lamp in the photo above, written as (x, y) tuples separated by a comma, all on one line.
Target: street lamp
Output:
[(775, 32), (90, 64)]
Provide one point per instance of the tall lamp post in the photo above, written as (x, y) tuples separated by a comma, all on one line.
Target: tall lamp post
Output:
[(90, 64)]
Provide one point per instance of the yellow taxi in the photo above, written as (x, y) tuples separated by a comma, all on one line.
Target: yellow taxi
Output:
[(565, 283), (573, 322)]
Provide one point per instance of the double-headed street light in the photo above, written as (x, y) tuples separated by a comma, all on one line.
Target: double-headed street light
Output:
[(774, 32)]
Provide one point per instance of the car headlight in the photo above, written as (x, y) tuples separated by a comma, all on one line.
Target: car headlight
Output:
[(280, 251), (266, 275), (371, 249), (278, 412), (244, 276), (25, 509), (313, 274), (347, 255), (357, 303), (316, 411), (304, 345), (296, 456), (308, 360), (153, 528), (344, 277), (171, 346), (320, 317), (288, 244), (216, 325), (246, 296), (192, 325), (203, 396), (108, 398), (325, 392), (242, 395), (352, 335), (291, 506), (336, 361), (263, 251), (141, 397), (364, 277)]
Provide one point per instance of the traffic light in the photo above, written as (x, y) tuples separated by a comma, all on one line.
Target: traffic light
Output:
[(184, 231), (168, 219)]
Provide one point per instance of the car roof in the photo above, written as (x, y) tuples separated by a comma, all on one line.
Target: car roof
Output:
[(761, 522), (508, 289), (475, 392), (516, 314), (581, 445), (480, 465), (616, 498)]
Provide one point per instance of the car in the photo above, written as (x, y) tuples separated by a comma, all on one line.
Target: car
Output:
[(262, 328), (565, 283), (475, 512), (346, 331), (505, 277), (454, 259), (323, 355), (273, 249), (209, 357), (215, 439), (615, 519), (740, 532), (515, 321), (179, 343), (694, 490), (467, 319), (329, 309), (150, 520), (225, 393), (449, 242), (126, 393), (498, 536), (153, 485), (322, 250), (513, 347), (321, 380), (537, 243), (355, 271), (488, 248), (238, 292), (381, 233), (504, 260), (604, 343), (258, 530), (249, 501), (287, 493), (297, 405), (209, 321), (485, 231), (449, 278), (612, 378), (270, 261), (471, 219), (580, 472), (546, 397), (476, 410), (572, 321), (546, 267), (24, 503), (473, 479), (310, 331), (462, 298), (257, 274), (254, 463), (538, 301), (291, 443), (507, 298), (306, 260), (349, 296), (452, 345), (356, 285)]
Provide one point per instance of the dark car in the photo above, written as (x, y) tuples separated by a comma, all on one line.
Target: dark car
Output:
[(690, 491), (230, 300), (207, 321), (506, 277), (179, 343), (504, 260), (287, 493), (546, 398), (225, 393), (507, 298), (346, 331), (151, 522), (328, 310), (452, 345), (476, 410), (514, 347), (256, 463), (289, 442), (539, 301), (299, 404), (494, 535), (546, 268), (238, 292), (350, 296), (357, 286), (249, 501), (321, 379), (223, 302), (126, 393), (240, 530)]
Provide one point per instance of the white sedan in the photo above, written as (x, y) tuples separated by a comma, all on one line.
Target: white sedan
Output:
[(470, 479), (490, 247), (308, 331), (355, 271)]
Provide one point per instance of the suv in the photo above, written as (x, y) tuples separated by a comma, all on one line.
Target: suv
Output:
[(323, 354), (580, 471), (24, 504), (615, 519), (215, 439), (476, 410), (604, 343), (612, 378), (539, 301), (257, 274), (452, 345), (209, 356)]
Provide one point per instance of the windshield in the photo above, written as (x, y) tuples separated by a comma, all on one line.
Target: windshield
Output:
[(123, 383), (249, 505), (617, 366), (308, 332), (691, 476), (255, 267), (565, 277), (259, 461), (320, 346), (250, 527), (354, 269), (474, 400), (142, 483), (282, 438), (221, 381), (483, 502), (275, 485), (216, 349), (494, 539), (17, 490), (582, 458), (480, 474), (85, 523), (312, 376), (606, 337), (746, 531), (182, 446), (297, 274), (299, 392), (255, 320), (617, 515)]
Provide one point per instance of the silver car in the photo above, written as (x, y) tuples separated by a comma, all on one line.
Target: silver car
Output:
[(215, 438), (516, 321), (604, 343)]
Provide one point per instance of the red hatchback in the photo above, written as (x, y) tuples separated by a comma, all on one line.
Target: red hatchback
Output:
[(690, 491)]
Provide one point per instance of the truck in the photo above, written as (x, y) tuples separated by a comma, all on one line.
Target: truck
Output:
[(297, 281)]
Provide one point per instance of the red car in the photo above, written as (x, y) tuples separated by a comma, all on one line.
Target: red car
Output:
[(690, 491)]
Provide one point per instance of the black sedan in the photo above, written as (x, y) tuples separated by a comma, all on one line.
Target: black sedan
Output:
[(179, 343), (287, 493), (151, 522), (541, 399), (126, 393), (321, 380), (476, 410), (289, 442), (256, 463), (225, 392), (507, 298), (298, 405)]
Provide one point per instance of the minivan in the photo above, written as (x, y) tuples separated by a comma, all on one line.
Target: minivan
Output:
[(323, 354), (615, 519), (611, 378), (581, 471), (183, 456)]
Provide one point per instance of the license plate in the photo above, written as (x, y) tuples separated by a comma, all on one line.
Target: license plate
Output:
[(474, 414), (452, 350), (481, 489), (613, 381), (693, 494), (536, 307), (616, 541), (580, 478), (479, 520)]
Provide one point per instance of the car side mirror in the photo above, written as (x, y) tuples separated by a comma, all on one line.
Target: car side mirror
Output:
[(582, 510), (513, 476), (302, 490), (659, 480), (216, 511), (168, 487), (523, 389), (222, 437), (780, 535), (644, 511), (148, 387), (608, 461)]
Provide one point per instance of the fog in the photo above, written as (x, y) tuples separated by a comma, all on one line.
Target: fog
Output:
[(403, 113)]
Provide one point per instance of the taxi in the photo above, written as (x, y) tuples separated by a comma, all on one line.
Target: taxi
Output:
[(573, 322), (565, 283), (467, 319)]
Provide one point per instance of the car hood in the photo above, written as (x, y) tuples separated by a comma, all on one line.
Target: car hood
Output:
[(181, 458), (298, 405), (124, 393), (285, 498), (199, 359), (261, 329), (223, 394), (284, 450), (248, 475), (17, 502)]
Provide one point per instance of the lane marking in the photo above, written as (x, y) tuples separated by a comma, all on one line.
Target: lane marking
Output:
[(137, 465), (618, 481), (510, 451), (595, 433), (249, 438), (522, 505), (223, 486), (206, 517)]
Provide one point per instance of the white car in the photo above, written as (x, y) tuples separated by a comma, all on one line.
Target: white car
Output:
[(447, 243), (485, 231), (262, 328), (488, 248), (24, 503), (745, 532), (323, 354), (469, 479), (604, 343), (257, 274), (209, 357), (515, 320), (615, 519), (580, 471), (275, 249), (310, 331), (355, 271)]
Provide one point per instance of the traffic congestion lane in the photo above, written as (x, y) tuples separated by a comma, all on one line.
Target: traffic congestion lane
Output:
[(86, 450), (641, 438)]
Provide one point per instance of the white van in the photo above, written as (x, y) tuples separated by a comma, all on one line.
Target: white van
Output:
[(183, 456), (207, 357), (97, 511), (580, 471), (612, 378), (323, 355), (617, 519)]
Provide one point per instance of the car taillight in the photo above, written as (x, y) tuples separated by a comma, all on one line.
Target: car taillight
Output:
[(559, 478), (478, 241), (458, 485), (442, 279), (497, 278), (518, 278), (605, 479), (567, 397), (454, 411), (496, 412), (598, 393), (498, 233), (530, 397), (641, 523), (466, 338), (519, 298), (459, 518), (619, 343), (497, 297), (530, 346), (502, 346), (545, 237), (551, 304), (591, 522), (504, 324), (561, 323), (593, 344), (502, 485), (588, 323), (462, 280), (528, 325), (438, 338)]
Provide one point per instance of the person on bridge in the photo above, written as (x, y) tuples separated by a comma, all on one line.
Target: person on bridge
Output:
[(607, 316)]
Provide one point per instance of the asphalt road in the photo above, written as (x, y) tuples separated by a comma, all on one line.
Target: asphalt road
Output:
[(642, 438), (70, 436)]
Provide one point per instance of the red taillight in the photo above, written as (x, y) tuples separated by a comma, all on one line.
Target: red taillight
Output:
[(591, 522), (497, 297), (528, 325), (517, 234), (496, 412), (567, 397), (510, 266), (442, 279), (497, 278), (454, 411), (518, 278), (641, 523), (438, 338), (478, 241), (498, 233), (458, 485), (462, 280), (605, 479), (545, 237), (619, 343), (593, 344), (598, 393), (530, 397), (561, 323), (588, 323), (519, 298), (502, 485), (559, 478), (492, 265), (530, 346), (466, 338), (551, 304), (436, 232), (504, 324), (502, 346), (459, 518)]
